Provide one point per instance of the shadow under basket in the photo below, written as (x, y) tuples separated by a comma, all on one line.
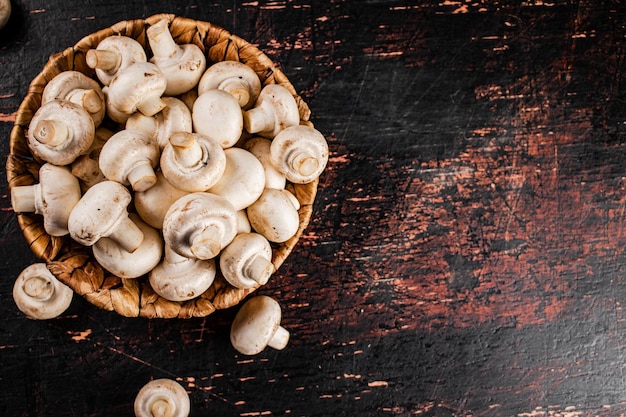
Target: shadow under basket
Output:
[(74, 264)]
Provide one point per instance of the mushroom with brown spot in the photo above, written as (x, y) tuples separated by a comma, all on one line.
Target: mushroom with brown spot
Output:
[(54, 197), (39, 294), (247, 261), (274, 110), (162, 398), (175, 117), (257, 325), (233, 77), (300, 153), (102, 212), (112, 55), (138, 87)]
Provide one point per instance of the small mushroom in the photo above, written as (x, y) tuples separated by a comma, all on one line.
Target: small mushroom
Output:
[(233, 77), (247, 261), (138, 87), (182, 65), (102, 212), (217, 115), (175, 117), (274, 110), (153, 203), (86, 167), (257, 325), (162, 398), (243, 180), (5, 12), (60, 131), (125, 264), (300, 153), (193, 162), (39, 294), (54, 197), (78, 88), (129, 157), (199, 225), (179, 278), (112, 55), (275, 215), (260, 147)]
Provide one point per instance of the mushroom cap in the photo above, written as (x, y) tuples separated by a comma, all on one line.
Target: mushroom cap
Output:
[(274, 110), (81, 131), (138, 83), (274, 215), (202, 175), (65, 83), (129, 157), (234, 77), (162, 397), (260, 147), (99, 211), (243, 180), (125, 264), (247, 261), (182, 279), (217, 115), (300, 153), (255, 324), (199, 225), (153, 203), (128, 51), (39, 294)]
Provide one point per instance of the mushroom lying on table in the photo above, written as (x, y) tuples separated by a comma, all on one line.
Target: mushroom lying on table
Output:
[(257, 325), (162, 398), (39, 294)]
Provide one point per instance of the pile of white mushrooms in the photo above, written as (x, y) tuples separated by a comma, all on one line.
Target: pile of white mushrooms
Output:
[(203, 154)]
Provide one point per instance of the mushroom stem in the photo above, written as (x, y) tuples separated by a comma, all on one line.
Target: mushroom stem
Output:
[(161, 40), (236, 88), (38, 287), (146, 123), (259, 269), (187, 150), (161, 408), (303, 162), (280, 338), (151, 105), (205, 244), (104, 59), (51, 132), (142, 176), (128, 235), (87, 98), (257, 120), (23, 198)]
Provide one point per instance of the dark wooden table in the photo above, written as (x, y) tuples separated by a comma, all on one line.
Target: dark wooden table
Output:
[(466, 253)]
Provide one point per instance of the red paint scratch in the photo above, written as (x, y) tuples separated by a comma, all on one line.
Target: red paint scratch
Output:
[(4, 117)]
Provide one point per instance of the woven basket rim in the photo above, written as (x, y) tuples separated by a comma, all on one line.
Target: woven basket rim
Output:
[(74, 264)]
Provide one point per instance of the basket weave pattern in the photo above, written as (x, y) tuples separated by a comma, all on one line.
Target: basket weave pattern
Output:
[(73, 263)]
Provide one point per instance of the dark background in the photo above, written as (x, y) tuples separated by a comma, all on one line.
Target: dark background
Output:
[(466, 251)]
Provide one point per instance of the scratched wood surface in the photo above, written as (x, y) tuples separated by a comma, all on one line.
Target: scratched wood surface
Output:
[(466, 253)]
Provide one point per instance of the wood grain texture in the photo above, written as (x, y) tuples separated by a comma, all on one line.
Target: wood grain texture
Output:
[(466, 251)]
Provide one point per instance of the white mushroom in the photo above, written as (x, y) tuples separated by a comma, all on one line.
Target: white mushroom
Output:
[(199, 225), (189, 98), (193, 162), (179, 278), (275, 215), (300, 153), (257, 325), (5, 12), (260, 147), (153, 203), (138, 87), (86, 167), (113, 113), (274, 110), (217, 115), (243, 180), (129, 157), (243, 224), (247, 261), (102, 212), (233, 77), (175, 117), (112, 55), (54, 197), (182, 65), (78, 88), (125, 264), (60, 131), (162, 398), (39, 294)]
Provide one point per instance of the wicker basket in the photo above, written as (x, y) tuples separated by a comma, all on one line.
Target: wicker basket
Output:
[(73, 263)]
